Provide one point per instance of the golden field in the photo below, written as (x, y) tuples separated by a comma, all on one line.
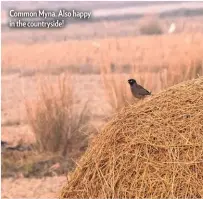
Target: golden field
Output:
[(143, 52), (145, 57), (155, 61)]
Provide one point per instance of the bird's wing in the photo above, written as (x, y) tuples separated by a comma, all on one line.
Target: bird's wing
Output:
[(142, 90)]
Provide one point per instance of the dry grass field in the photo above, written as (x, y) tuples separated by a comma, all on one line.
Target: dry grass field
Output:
[(98, 69), (143, 52)]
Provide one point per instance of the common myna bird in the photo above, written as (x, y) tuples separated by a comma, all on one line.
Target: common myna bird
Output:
[(137, 90)]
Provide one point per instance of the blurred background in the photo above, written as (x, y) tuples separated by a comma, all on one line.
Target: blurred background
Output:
[(60, 86)]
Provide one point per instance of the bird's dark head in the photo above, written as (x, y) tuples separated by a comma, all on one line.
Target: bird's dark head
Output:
[(132, 82)]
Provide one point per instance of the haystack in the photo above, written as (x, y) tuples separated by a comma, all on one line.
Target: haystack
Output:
[(152, 149)]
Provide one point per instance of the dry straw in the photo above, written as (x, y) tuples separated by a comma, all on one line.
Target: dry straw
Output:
[(152, 149)]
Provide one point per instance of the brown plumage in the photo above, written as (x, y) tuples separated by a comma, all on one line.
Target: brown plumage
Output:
[(137, 90)]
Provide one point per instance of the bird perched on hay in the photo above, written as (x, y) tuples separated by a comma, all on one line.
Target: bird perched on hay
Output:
[(137, 90)]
